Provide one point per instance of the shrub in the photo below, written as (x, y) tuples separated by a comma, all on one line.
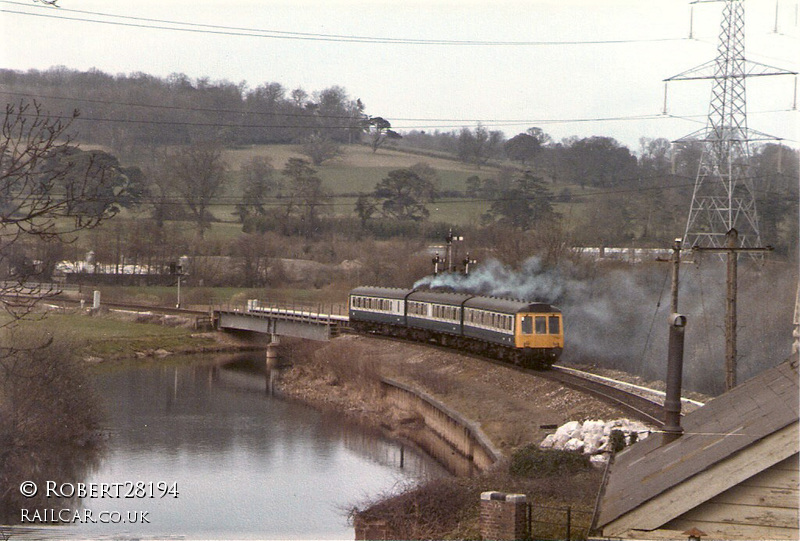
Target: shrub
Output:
[(49, 417), (533, 462), (617, 441)]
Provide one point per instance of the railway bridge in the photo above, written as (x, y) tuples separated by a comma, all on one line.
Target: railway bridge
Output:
[(311, 323)]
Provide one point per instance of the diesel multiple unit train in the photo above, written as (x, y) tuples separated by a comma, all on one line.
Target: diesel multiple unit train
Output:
[(524, 333)]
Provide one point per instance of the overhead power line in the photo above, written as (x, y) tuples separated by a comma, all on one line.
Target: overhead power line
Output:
[(180, 26), (456, 122)]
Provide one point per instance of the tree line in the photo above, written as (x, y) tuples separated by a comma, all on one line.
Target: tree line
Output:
[(525, 182), (125, 112)]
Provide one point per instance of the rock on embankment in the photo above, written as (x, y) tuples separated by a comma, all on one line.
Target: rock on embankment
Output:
[(594, 437)]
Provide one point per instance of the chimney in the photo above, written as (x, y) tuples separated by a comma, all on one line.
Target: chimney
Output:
[(672, 402)]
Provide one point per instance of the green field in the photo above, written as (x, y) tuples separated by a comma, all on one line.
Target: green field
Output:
[(110, 338), (357, 171)]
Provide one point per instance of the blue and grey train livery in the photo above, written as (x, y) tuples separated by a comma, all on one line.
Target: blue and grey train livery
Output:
[(525, 333)]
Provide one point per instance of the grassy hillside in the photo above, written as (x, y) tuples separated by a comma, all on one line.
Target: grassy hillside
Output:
[(358, 170)]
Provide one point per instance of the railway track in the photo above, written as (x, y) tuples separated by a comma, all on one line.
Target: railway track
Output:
[(624, 396), (131, 307), (628, 398), (614, 393)]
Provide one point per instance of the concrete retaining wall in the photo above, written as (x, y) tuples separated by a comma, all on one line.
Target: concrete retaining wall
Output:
[(456, 442)]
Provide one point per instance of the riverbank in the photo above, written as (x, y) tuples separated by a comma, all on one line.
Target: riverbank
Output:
[(513, 409), (103, 336)]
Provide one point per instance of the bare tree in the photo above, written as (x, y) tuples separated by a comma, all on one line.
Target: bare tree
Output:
[(307, 197), (480, 146), (320, 148), (258, 183), (49, 191), (198, 173)]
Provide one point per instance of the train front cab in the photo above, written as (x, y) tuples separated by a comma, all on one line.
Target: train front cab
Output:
[(540, 335)]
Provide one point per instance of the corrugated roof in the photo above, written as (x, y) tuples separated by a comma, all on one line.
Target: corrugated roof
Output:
[(729, 423)]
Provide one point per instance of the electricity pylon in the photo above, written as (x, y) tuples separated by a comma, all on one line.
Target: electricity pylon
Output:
[(723, 197)]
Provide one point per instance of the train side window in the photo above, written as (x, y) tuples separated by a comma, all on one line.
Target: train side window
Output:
[(554, 324), (541, 325), (527, 325)]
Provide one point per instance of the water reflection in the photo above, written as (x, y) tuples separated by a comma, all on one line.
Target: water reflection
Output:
[(27, 470), (247, 464)]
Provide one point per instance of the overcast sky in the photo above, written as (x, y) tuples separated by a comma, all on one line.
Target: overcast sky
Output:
[(562, 65)]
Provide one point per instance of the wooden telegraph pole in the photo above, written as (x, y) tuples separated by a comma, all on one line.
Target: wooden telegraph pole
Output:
[(732, 249)]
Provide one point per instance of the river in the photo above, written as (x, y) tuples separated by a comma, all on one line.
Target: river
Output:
[(216, 456)]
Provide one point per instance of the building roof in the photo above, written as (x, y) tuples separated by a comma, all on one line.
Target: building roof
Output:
[(727, 424)]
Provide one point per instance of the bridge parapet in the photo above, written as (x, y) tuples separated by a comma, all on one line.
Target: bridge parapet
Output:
[(299, 322)]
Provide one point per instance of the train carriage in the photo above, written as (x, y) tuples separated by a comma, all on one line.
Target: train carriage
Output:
[(437, 312), (533, 330), (377, 307), (521, 332)]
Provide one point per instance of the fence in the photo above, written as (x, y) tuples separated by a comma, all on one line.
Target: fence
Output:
[(546, 522)]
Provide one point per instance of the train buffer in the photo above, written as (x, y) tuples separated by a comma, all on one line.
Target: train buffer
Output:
[(311, 323)]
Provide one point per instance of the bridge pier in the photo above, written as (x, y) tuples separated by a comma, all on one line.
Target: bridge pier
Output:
[(272, 352), (273, 362)]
